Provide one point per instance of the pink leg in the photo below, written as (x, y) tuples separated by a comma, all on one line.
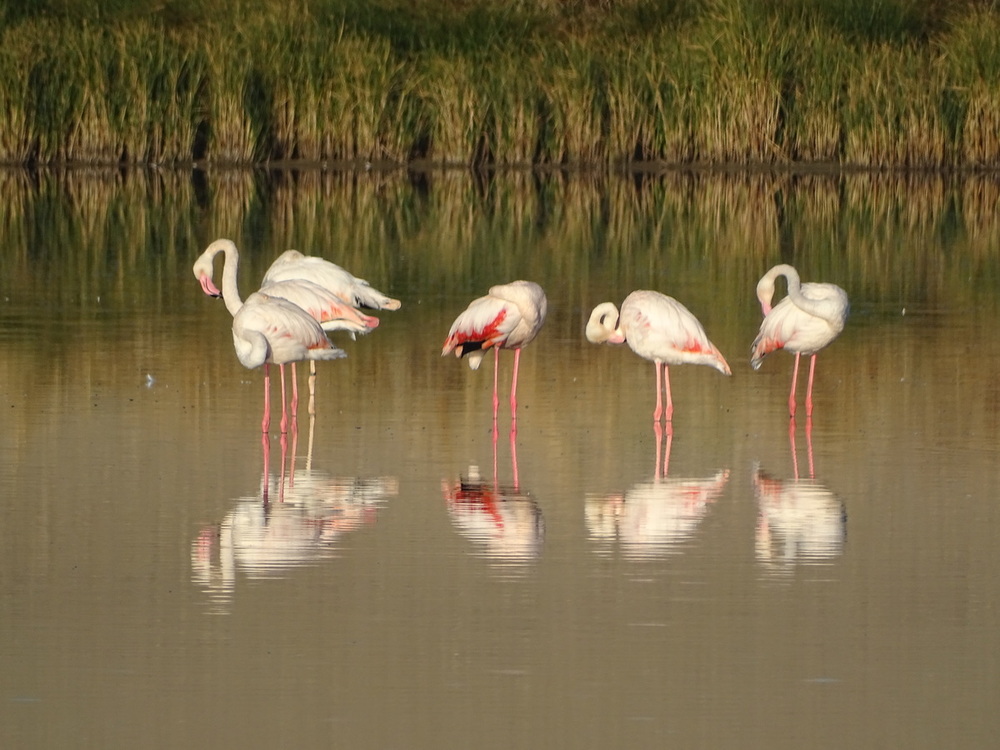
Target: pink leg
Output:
[(295, 445), (496, 376), (265, 442), (791, 396), (281, 473), (513, 386), (670, 399), (295, 393), (513, 458), (665, 464), (284, 414), (809, 446), (496, 435), (666, 450), (809, 388), (658, 411), (265, 423)]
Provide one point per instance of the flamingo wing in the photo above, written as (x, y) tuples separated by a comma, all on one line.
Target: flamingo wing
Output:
[(323, 306), (790, 327), (485, 323), (659, 327), (290, 333), (294, 265)]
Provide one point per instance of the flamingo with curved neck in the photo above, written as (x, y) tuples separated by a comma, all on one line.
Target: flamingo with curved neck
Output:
[(806, 320), (266, 329), (660, 329)]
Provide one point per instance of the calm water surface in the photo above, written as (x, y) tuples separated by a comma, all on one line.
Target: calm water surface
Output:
[(394, 574)]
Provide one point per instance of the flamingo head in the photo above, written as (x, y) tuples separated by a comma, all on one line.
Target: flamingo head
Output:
[(765, 293), (203, 271), (603, 325)]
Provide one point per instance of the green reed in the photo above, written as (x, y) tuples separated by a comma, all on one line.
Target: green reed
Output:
[(501, 82)]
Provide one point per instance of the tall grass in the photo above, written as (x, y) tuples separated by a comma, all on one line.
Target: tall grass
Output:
[(502, 82)]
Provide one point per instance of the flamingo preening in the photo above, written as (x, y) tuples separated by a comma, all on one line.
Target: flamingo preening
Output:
[(266, 329), (806, 320), (660, 329), (357, 292), (509, 317)]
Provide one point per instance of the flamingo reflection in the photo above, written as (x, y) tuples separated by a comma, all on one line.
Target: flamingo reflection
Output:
[(297, 518), (653, 518), (799, 520), (504, 522)]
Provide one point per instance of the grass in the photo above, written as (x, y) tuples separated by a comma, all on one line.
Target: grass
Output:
[(893, 84)]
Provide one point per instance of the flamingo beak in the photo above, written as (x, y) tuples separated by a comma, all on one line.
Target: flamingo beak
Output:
[(209, 288)]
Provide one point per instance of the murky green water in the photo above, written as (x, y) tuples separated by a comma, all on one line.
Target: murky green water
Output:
[(411, 582)]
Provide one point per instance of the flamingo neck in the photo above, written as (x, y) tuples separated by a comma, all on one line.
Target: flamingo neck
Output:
[(230, 286)]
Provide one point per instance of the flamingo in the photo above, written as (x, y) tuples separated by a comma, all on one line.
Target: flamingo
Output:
[(509, 317), (805, 321), (328, 309), (294, 265), (266, 329), (660, 329)]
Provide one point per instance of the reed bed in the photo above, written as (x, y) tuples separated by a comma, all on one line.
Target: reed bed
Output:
[(501, 83)]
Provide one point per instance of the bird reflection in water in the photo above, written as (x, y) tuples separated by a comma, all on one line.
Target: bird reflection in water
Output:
[(799, 521), (653, 518), (504, 521), (297, 518)]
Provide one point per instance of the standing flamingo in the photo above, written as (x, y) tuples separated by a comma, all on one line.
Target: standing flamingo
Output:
[(809, 318), (660, 329), (328, 309), (294, 265), (509, 317), (266, 328)]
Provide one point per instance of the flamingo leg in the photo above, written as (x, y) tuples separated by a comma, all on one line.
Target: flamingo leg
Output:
[(283, 441), (809, 388), (658, 411), (795, 378), (666, 450), (265, 423), (265, 442), (665, 463), (295, 395), (809, 446), (670, 400), (284, 414), (513, 386), (791, 443), (513, 458), (496, 478), (291, 462), (312, 387), (496, 381)]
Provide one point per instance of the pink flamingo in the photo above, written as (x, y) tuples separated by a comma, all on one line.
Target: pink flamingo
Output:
[(660, 329), (294, 265), (266, 329), (509, 317), (328, 309), (809, 318)]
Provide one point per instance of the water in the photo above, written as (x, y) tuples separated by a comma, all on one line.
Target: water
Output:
[(403, 577)]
